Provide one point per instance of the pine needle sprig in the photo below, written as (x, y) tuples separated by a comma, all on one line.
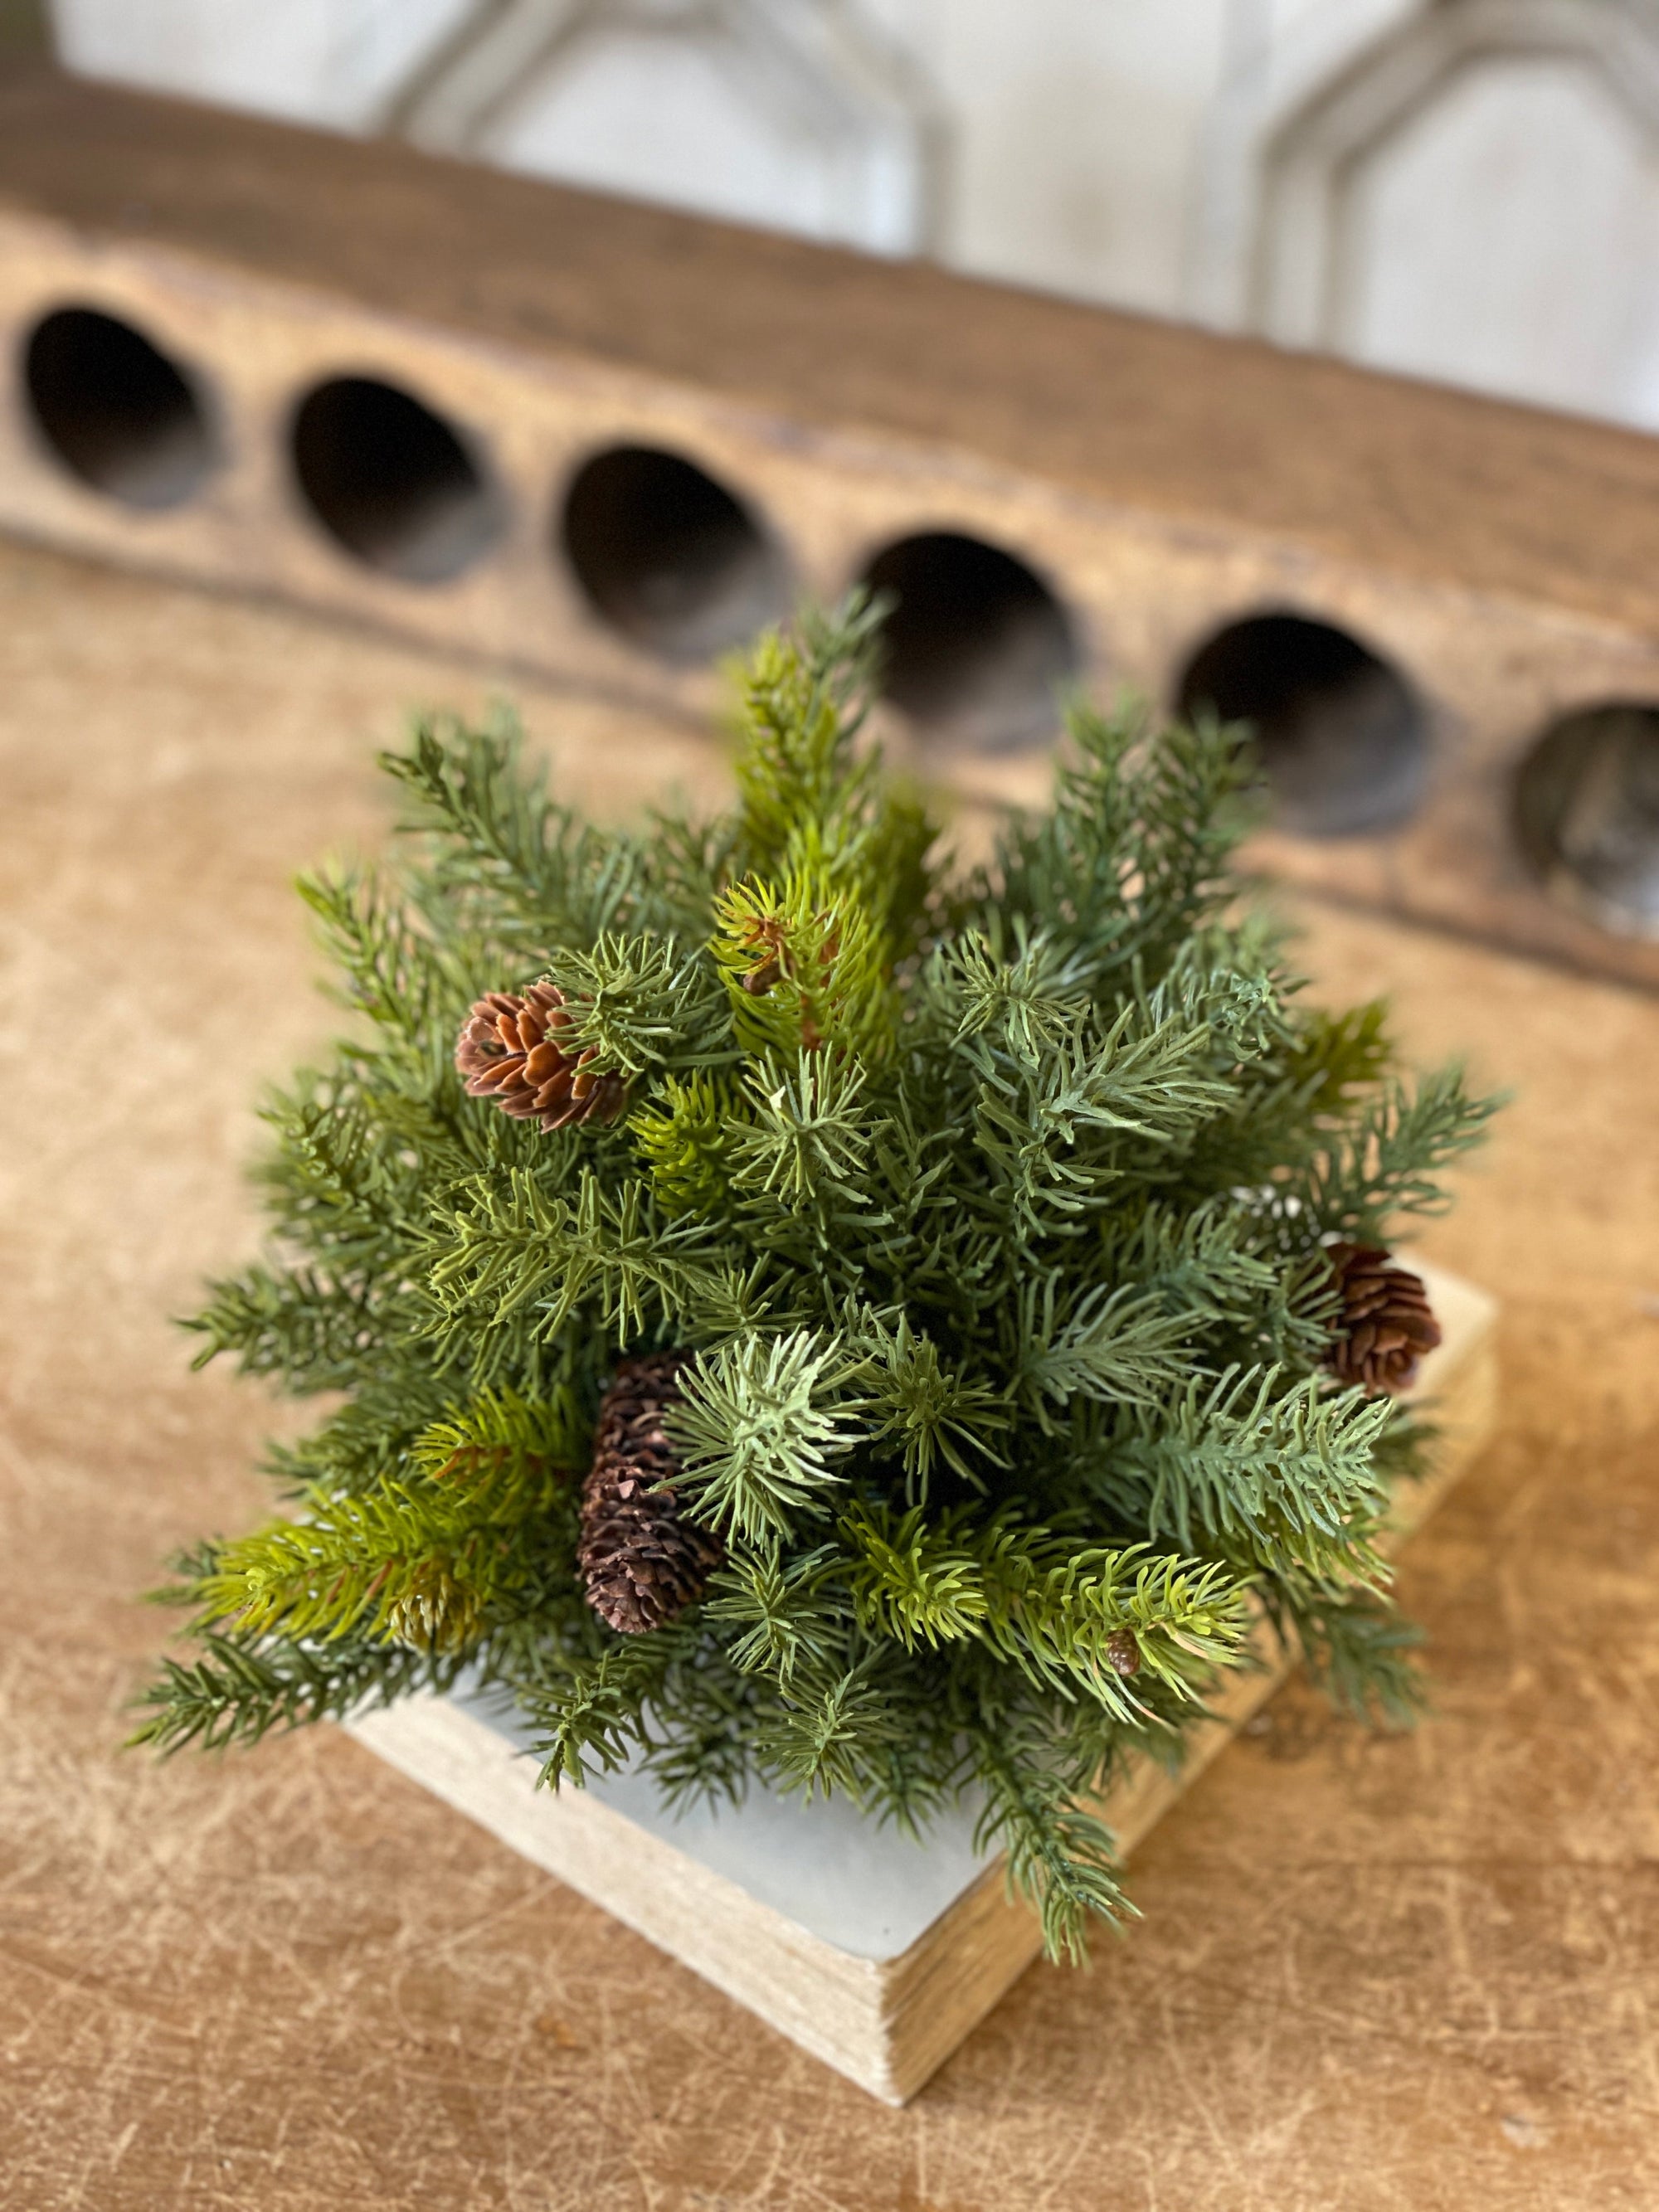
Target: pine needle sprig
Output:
[(637, 1003), (1357, 1646), (314, 1330), (591, 1716), (684, 1134), (815, 806), (1390, 1158), (792, 1619), (521, 1252), (390, 970), (503, 858), (805, 1141), (1282, 1478), (760, 1427), (836, 1738), (936, 1414), (417, 1563), (1066, 1615), (1124, 1346), (1059, 1856), (237, 1691)]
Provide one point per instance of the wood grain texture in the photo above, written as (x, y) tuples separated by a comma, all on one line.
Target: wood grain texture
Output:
[(1163, 482), (1394, 1976), (1432, 483)]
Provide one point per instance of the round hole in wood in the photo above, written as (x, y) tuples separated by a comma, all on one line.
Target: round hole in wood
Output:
[(115, 410), (978, 648), (1587, 815), (392, 481), (1343, 737), (669, 557)]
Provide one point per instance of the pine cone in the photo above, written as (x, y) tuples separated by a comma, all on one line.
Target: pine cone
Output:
[(642, 1561), (508, 1051), (1385, 1324)]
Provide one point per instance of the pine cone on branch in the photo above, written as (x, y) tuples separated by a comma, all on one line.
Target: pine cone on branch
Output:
[(642, 1561), (509, 1050), (1385, 1323)]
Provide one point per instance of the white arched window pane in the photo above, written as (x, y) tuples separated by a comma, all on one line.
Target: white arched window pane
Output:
[(320, 61), (1507, 236), (705, 124)]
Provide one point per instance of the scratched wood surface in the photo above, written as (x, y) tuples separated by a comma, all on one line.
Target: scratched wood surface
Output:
[(1375, 1974)]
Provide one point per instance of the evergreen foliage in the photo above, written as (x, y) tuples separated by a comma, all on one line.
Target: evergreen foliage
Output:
[(990, 1203)]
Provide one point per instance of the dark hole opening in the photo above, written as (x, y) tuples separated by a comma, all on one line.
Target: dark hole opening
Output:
[(977, 647), (668, 556), (1587, 813), (1343, 738), (117, 412), (392, 481)]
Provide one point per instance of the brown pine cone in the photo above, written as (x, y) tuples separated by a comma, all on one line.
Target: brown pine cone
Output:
[(508, 1051), (1385, 1324), (642, 1561)]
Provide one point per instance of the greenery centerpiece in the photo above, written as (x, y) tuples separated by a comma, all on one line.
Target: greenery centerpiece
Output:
[(795, 1313)]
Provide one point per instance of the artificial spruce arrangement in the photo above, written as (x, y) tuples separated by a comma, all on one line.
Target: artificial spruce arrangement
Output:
[(793, 1313)]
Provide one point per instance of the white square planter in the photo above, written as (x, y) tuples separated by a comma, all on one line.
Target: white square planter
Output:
[(875, 1952)]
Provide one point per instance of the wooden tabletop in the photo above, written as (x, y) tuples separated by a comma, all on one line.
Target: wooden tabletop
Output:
[(1374, 1973)]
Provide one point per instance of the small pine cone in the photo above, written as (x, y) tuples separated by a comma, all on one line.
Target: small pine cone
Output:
[(1123, 1651), (642, 1561), (508, 1051), (1385, 1324)]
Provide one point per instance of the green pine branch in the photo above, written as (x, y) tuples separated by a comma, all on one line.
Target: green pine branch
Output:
[(989, 1208), (423, 1561), (761, 1425), (1065, 1615), (239, 1689)]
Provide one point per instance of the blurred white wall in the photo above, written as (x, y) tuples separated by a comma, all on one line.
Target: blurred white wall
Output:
[(322, 61), (1462, 189)]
